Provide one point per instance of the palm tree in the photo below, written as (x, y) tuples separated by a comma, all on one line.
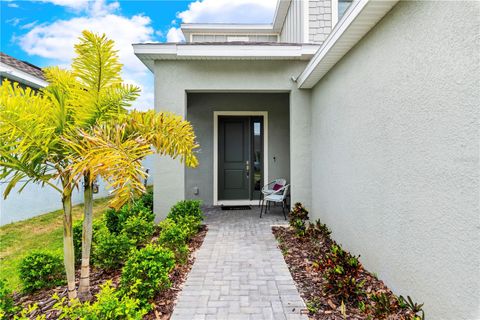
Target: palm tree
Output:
[(31, 126), (78, 128), (102, 102)]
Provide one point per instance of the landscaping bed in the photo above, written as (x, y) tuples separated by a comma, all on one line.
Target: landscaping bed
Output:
[(137, 267), (332, 282), (163, 303)]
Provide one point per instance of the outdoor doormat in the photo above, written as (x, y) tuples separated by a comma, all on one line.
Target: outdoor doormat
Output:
[(236, 208)]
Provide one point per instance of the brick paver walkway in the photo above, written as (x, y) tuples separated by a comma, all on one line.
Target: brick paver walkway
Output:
[(239, 272)]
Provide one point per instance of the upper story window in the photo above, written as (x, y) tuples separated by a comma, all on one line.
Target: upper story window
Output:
[(342, 7)]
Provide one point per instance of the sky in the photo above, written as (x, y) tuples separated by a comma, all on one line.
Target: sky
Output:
[(43, 32)]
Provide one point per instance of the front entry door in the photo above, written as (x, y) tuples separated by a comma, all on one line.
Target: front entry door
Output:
[(240, 156)]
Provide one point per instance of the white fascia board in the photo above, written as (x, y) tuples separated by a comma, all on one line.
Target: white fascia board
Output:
[(359, 19), (280, 15), (148, 53), (21, 76)]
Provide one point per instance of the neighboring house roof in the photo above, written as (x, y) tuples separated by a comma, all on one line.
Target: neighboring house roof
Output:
[(149, 52), (21, 71)]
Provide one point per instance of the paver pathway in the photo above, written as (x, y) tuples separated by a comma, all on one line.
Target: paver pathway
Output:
[(239, 272)]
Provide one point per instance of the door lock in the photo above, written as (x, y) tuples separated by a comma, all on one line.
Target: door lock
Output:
[(247, 167)]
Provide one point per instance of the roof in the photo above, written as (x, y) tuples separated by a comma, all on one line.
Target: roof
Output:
[(21, 71), (22, 65), (150, 52), (358, 20)]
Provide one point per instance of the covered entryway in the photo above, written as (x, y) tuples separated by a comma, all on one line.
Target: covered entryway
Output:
[(245, 142)]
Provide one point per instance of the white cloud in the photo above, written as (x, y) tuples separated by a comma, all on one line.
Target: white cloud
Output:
[(14, 21), (232, 11), (12, 5), (73, 4), (175, 35), (55, 42), (29, 25)]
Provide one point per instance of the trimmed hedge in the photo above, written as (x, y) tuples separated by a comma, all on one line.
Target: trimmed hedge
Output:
[(41, 270)]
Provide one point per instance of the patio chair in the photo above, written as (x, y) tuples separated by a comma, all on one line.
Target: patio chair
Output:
[(278, 196), (271, 187)]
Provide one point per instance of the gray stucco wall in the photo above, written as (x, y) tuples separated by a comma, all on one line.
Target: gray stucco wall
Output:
[(395, 153), (173, 79), (200, 113)]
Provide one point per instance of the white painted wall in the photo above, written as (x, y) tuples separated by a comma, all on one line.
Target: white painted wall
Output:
[(395, 154), (35, 200), (174, 78)]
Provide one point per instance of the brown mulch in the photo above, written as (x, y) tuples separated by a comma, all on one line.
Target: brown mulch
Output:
[(163, 303), (303, 256)]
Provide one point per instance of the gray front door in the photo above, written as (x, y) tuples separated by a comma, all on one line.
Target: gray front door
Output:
[(233, 158)]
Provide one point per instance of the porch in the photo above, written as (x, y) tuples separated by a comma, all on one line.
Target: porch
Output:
[(244, 143)]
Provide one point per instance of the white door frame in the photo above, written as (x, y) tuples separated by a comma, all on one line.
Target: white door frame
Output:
[(264, 114)]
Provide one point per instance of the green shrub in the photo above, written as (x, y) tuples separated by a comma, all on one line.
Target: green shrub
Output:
[(298, 216), (110, 250), (109, 305), (115, 220), (138, 230), (77, 237), (147, 200), (146, 272), (40, 270), (186, 208), (341, 271), (7, 307), (174, 237), (189, 224)]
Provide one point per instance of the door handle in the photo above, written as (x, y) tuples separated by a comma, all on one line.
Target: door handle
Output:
[(247, 167)]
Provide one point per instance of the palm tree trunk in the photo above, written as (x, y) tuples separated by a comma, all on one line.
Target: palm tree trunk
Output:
[(68, 251), (84, 287)]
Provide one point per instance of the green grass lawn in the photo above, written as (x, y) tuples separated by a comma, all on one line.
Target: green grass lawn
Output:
[(43, 232)]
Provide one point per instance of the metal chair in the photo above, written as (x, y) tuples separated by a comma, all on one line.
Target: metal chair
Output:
[(271, 187), (278, 196)]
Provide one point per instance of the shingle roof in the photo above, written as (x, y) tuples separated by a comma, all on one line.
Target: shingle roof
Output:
[(22, 65)]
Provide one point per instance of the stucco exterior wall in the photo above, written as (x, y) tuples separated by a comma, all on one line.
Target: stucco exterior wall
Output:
[(395, 153), (200, 113), (173, 79)]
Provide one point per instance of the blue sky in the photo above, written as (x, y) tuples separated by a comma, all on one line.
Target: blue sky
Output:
[(43, 32)]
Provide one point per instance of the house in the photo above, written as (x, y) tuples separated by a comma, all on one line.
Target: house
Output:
[(21, 72), (371, 113)]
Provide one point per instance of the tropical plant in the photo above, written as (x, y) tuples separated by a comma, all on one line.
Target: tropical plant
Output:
[(298, 216), (146, 272), (32, 151), (78, 129), (382, 303), (414, 307), (341, 271), (41, 269)]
